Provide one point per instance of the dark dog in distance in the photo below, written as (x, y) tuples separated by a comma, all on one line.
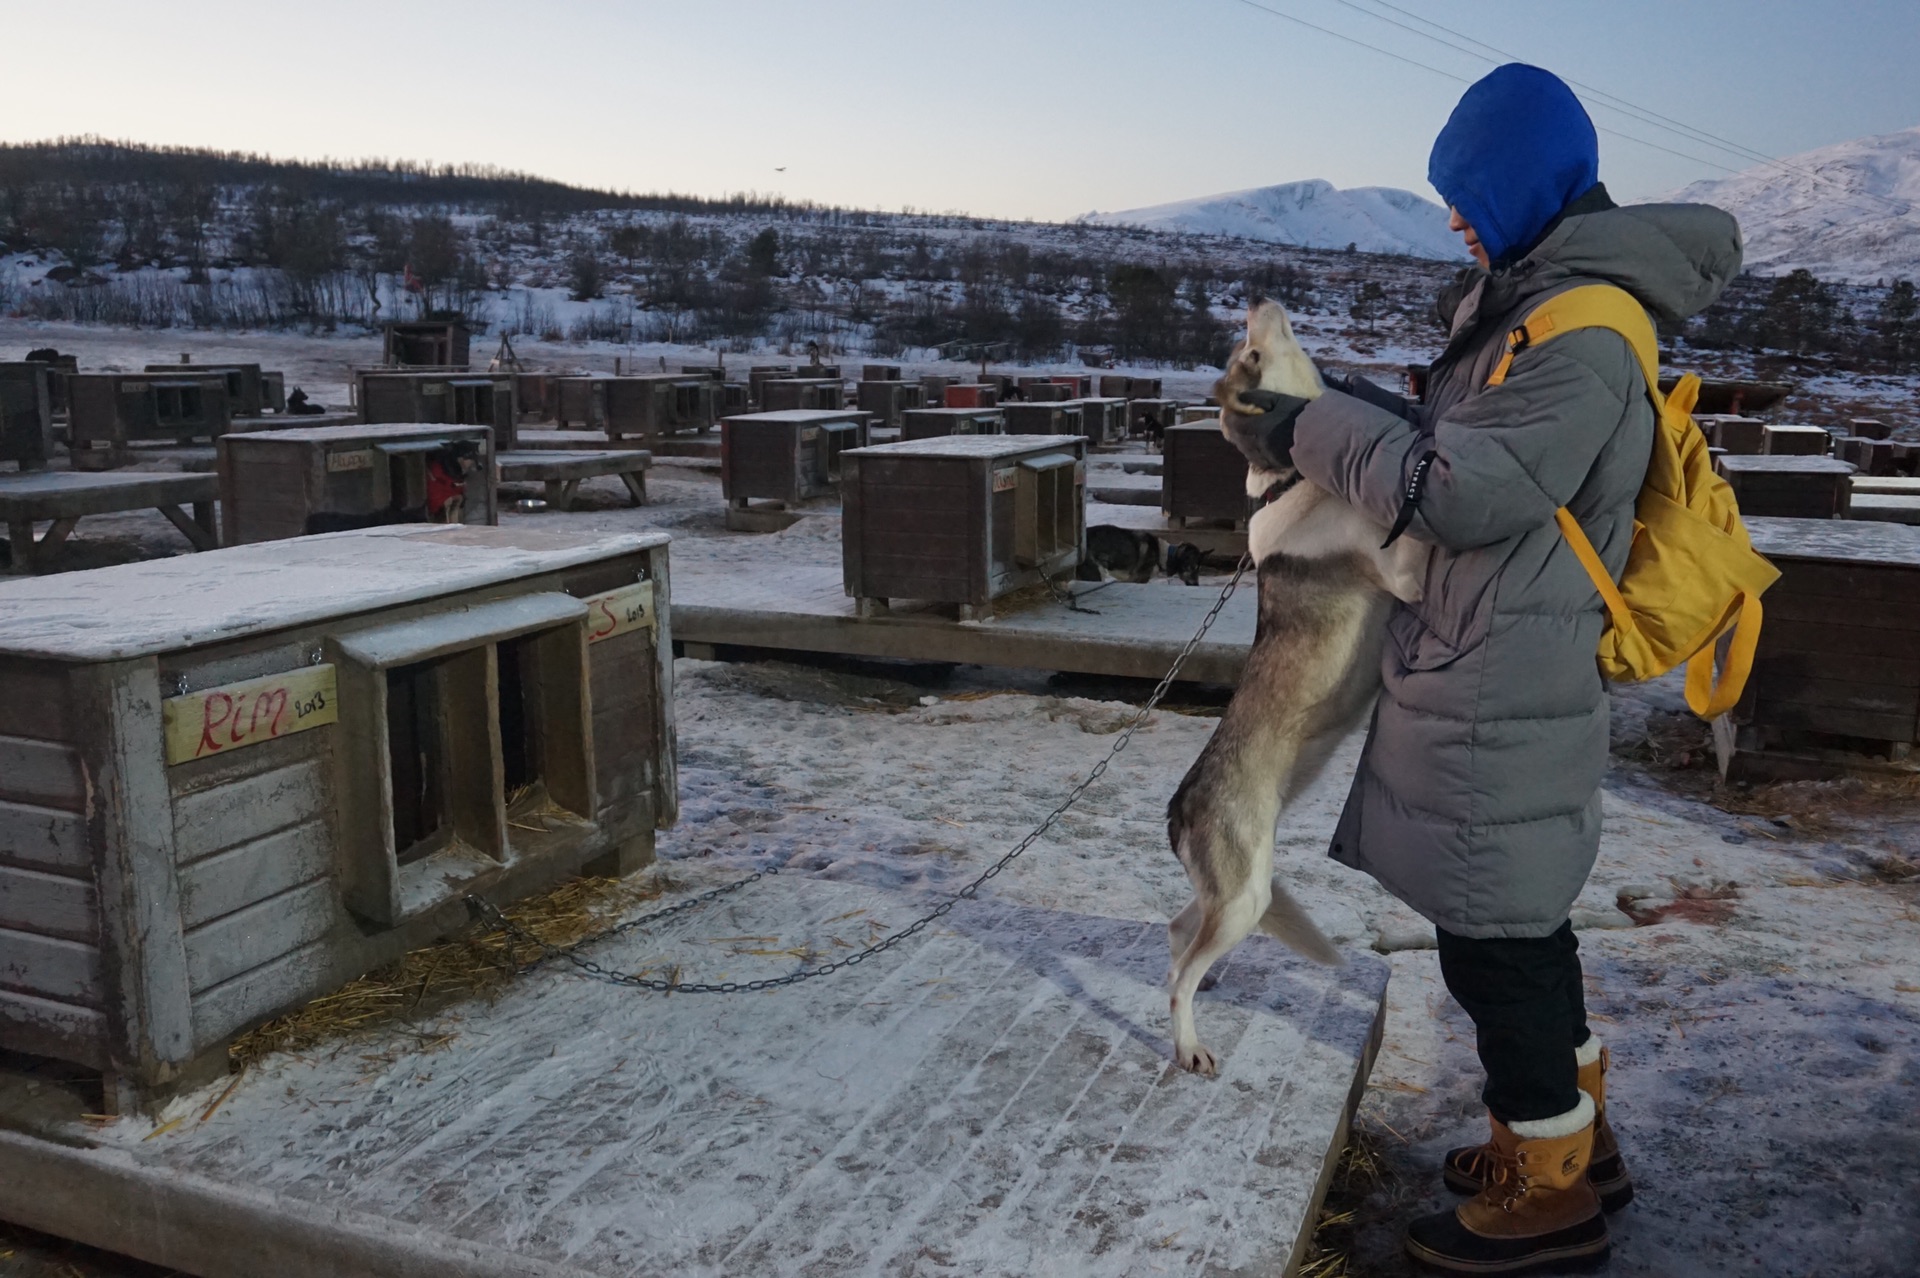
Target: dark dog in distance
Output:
[(1127, 554)]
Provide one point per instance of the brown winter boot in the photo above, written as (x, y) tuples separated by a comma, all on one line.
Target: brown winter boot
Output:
[(1538, 1211), (1466, 1169)]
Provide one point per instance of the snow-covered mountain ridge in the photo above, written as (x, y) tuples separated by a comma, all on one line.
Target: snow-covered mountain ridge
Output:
[(1850, 211), (1311, 214)]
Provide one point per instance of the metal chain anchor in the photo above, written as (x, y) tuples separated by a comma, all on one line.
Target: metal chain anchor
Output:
[(587, 967)]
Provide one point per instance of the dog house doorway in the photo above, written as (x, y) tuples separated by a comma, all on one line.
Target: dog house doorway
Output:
[(470, 745)]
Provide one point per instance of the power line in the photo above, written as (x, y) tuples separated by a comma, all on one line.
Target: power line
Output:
[(1460, 79), (1613, 102)]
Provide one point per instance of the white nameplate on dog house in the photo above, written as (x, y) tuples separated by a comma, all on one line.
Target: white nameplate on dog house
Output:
[(618, 611), (237, 715), (350, 459)]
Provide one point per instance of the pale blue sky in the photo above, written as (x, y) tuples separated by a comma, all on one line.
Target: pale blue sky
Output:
[(1042, 108)]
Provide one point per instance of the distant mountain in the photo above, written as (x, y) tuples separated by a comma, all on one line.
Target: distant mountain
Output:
[(1314, 214), (1850, 211)]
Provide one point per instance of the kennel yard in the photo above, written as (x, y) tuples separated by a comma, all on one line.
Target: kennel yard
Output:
[(995, 1095)]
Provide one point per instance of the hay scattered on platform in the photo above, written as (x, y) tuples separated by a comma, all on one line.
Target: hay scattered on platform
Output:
[(478, 963)]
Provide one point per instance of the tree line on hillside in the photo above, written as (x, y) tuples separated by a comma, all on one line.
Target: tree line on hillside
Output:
[(329, 243), (1800, 315)]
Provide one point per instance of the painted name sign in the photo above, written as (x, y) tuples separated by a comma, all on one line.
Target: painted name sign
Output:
[(618, 611), (237, 715)]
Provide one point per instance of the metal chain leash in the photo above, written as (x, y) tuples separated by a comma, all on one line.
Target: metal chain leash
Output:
[(1066, 596), (587, 967)]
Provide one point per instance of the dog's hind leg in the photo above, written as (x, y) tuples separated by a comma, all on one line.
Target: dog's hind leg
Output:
[(1180, 935), (1219, 930), (1181, 929), (1292, 926)]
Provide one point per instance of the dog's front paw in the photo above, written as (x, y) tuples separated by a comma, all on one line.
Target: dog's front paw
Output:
[(1195, 1058)]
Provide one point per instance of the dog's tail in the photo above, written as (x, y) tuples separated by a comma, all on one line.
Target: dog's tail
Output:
[(1287, 923)]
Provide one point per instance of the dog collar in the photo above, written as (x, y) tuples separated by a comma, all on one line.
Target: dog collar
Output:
[(1278, 488)]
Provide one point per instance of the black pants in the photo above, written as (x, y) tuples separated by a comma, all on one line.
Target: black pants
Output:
[(1530, 1014)]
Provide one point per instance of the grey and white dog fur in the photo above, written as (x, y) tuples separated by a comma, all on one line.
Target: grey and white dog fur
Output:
[(1325, 588)]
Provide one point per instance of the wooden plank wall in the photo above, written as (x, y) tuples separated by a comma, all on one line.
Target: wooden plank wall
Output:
[(1840, 651), (254, 842), (919, 535), (51, 997)]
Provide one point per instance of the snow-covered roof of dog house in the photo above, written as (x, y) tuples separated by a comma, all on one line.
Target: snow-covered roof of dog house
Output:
[(144, 609)]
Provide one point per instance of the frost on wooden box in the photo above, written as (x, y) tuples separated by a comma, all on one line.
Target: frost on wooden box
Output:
[(454, 399), (786, 455), (231, 782), (961, 519), (289, 483)]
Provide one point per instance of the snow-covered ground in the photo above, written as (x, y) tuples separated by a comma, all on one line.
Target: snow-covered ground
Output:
[(1849, 211), (1764, 1015), (1313, 214)]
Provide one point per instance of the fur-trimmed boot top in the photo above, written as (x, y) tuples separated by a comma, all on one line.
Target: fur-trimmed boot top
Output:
[(1537, 1212), (1466, 1169)]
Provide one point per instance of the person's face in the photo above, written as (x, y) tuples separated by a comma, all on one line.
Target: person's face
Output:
[(1457, 223)]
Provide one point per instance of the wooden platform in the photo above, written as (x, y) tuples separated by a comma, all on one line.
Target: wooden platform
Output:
[(1135, 632), (66, 497), (1889, 508), (537, 437), (1124, 488), (562, 471), (995, 1099)]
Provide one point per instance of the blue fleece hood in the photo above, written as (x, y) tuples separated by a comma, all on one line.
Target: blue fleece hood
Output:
[(1517, 150)]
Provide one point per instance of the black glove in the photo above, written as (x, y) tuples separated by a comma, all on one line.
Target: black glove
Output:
[(1267, 440)]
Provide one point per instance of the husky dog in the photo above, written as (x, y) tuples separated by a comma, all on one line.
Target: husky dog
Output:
[(1325, 586), (1119, 554)]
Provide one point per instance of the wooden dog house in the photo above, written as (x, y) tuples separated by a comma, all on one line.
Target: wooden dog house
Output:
[(1147, 418), (428, 343), (1121, 386), (452, 399), (648, 405), (291, 483), (782, 394), (251, 390), (1839, 656), (1050, 418), (26, 415), (1797, 487), (1103, 420), (789, 456), (962, 519), (1202, 476), (59, 369), (231, 782), (887, 399), (934, 423), (967, 395), (1796, 440), (109, 411)]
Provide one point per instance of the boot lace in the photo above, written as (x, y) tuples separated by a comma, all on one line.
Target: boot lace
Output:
[(1506, 1183)]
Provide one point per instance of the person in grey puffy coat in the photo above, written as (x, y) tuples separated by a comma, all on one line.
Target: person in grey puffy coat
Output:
[(1477, 800)]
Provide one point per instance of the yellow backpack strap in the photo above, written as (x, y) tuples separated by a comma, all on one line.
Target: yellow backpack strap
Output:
[(1709, 699), (1589, 306), (1596, 569), (1593, 306)]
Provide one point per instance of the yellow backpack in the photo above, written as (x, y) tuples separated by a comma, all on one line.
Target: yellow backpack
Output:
[(1692, 573)]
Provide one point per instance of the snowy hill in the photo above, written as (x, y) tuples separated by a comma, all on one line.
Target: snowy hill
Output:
[(1315, 214), (1850, 211)]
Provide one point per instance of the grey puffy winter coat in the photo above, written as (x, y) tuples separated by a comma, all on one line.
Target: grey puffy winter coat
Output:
[(1477, 801)]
